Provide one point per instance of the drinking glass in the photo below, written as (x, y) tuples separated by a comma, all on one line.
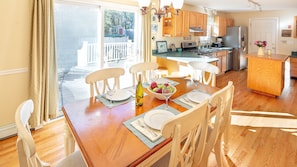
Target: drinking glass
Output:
[(166, 92), (196, 76)]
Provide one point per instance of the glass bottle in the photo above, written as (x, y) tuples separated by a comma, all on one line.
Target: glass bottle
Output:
[(139, 93)]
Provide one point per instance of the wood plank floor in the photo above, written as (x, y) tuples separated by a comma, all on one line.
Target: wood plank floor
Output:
[(263, 130)]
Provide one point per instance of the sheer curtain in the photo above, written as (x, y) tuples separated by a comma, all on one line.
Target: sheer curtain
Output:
[(43, 76)]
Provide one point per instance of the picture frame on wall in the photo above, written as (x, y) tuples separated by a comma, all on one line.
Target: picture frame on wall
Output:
[(286, 33), (161, 46)]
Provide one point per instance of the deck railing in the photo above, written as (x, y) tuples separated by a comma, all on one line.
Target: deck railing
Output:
[(113, 52)]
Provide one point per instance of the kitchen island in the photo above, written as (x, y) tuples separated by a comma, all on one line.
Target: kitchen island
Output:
[(178, 61), (266, 73), (179, 64)]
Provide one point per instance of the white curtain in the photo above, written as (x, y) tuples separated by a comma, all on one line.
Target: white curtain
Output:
[(146, 49), (43, 75)]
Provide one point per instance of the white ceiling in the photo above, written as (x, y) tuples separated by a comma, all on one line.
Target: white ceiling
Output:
[(243, 5)]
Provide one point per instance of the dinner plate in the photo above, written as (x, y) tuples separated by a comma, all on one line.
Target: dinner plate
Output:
[(156, 118), (119, 95), (197, 97)]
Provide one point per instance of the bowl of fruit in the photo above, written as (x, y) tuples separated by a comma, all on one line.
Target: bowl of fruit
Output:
[(157, 89)]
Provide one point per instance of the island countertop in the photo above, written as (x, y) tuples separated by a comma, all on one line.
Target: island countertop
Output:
[(276, 57), (186, 57)]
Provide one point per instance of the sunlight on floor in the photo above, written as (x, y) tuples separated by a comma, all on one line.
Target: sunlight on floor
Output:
[(284, 121)]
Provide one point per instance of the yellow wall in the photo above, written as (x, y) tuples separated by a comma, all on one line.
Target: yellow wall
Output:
[(15, 20), (286, 17)]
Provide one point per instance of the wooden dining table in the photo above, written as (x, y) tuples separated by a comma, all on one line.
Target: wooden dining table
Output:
[(102, 137)]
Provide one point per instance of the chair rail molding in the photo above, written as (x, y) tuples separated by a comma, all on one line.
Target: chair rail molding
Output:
[(13, 71), (7, 131)]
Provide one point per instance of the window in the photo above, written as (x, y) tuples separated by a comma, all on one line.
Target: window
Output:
[(89, 37)]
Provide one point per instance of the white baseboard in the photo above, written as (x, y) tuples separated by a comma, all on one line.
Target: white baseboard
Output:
[(8, 130)]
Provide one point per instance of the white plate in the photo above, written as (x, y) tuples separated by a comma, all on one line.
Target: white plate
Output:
[(119, 95), (197, 97), (156, 118)]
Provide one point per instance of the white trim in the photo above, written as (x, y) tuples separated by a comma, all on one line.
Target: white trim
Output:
[(7, 130), (13, 71)]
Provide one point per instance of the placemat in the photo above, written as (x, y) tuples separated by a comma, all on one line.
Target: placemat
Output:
[(111, 104), (142, 136), (184, 101)]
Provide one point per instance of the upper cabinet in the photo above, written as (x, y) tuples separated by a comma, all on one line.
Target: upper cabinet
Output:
[(219, 26), (229, 22), (179, 25), (198, 20), (295, 27), (173, 25)]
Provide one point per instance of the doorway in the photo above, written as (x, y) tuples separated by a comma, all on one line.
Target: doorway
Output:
[(91, 36), (263, 29)]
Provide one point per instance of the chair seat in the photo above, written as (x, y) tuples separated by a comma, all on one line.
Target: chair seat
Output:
[(73, 160)]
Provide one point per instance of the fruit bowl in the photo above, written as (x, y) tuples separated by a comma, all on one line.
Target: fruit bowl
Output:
[(156, 90)]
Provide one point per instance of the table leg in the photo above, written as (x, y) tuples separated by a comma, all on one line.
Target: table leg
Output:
[(68, 140)]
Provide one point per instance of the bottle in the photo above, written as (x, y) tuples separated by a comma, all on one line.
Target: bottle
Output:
[(139, 93)]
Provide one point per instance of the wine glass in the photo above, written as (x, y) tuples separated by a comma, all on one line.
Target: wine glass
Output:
[(153, 76), (196, 76), (166, 92)]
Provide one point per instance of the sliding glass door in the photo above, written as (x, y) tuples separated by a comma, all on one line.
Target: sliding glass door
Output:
[(90, 37)]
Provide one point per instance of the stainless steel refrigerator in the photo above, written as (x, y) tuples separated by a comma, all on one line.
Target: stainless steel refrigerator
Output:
[(236, 38)]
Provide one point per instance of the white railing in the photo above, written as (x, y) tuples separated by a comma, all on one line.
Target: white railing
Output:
[(113, 52)]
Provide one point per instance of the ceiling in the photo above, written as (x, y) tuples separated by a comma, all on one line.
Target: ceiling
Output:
[(243, 5)]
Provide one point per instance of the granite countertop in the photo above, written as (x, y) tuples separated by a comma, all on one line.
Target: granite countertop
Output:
[(187, 57)]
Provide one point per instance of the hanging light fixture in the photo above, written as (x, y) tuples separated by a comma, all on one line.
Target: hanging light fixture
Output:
[(163, 7)]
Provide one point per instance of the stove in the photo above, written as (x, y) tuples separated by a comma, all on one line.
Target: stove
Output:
[(193, 47), (189, 46)]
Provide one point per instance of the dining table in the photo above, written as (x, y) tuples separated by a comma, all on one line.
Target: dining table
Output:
[(101, 135)]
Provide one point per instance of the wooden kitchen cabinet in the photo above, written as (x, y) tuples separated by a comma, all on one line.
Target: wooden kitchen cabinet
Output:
[(266, 73), (176, 25), (229, 22), (219, 27), (198, 20), (293, 67), (295, 27), (186, 24), (222, 62)]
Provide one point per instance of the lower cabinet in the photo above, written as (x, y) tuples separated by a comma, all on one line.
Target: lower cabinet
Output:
[(222, 62), (293, 67)]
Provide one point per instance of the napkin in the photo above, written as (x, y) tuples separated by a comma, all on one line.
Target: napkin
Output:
[(188, 102), (150, 133)]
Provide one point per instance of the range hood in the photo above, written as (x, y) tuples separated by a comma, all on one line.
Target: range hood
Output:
[(196, 29)]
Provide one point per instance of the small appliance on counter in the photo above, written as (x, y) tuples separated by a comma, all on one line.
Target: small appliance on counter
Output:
[(219, 43), (294, 53)]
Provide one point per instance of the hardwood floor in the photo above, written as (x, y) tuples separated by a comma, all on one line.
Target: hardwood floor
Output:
[(263, 129)]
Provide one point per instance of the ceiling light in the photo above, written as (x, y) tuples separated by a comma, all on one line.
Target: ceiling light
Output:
[(163, 7), (255, 4)]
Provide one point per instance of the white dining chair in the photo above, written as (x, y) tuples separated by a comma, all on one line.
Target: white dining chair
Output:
[(206, 71), (103, 80), (26, 148), (219, 127), (188, 139), (146, 69)]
